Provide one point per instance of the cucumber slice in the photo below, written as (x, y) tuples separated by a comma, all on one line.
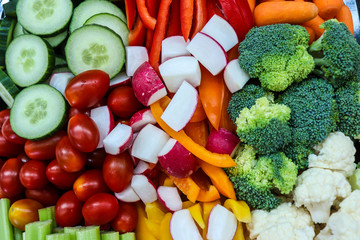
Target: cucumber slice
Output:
[(29, 59), (95, 47), (112, 22), (38, 112), (56, 40), (8, 90), (18, 30), (44, 17), (7, 26), (87, 9)]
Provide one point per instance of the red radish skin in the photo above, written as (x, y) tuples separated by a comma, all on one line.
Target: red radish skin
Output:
[(173, 46), (144, 188), (141, 118), (118, 140), (182, 226), (104, 120), (120, 79), (169, 197), (222, 224), (149, 170), (135, 56), (127, 195), (222, 141)]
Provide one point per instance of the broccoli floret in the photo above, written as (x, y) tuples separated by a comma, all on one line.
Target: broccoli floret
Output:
[(264, 126), (277, 55), (299, 154), (336, 53)]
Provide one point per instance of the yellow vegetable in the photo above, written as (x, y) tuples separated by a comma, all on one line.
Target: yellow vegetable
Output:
[(165, 227), (154, 212), (196, 213), (207, 207), (240, 209), (153, 227), (141, 231), (239, 234)]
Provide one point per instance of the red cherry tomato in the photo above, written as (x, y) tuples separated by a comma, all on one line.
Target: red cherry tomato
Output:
[(4, 115), (43, 149), (83, 133), (24, 211), (68, 157), (96, 158), (73, 111), (9, 134), (118, 171), (23, 157), (47, 196), (60, 178), (33, 175), (9, 177), (8, 149), (68, 210), (87, 88), (122, 102), (126, 218), (100, 209), (89, 183)]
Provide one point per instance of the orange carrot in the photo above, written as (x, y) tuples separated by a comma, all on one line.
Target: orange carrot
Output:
[(174, 27), (284, 12), (315, 25), (137, 34), (311, 32), (148, 20), (252, 4), (200, 16), (198, 132), (186, 17), (328, 8), (344, 15)]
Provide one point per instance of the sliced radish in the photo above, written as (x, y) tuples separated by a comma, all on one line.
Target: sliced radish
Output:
[(181, 107), (176, 70), (60, 80), (144, 188), (148, 87), (120, 79), (220, 30), (149, 170), (127, 195), (118, 140), (148, 143), (222, 141), (182, 226), (141, 119), (135, 56), (235, 77), (173, 46), (175, 159), (170, 198), (208, 52), (104, 120), (222, 224)]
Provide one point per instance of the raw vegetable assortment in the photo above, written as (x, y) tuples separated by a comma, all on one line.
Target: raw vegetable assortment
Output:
[(179, 120)]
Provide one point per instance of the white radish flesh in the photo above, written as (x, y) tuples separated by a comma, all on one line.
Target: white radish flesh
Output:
[(127, 195), (170, 198), (118, 140), (60, 80), (222, 224), (182, 226), (135, 56), (173, 46), (235, 77), (104, 120), (141, 118), (120, 79), (144, 188)]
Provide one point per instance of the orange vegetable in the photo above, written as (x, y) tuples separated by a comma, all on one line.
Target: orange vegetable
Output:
[(261, 1), (328, 8), (137, 34), (344, 15), (153, 6), (187, 186), (198, 132), (284, 12), (252, 4), (200, 16), (209, 195), (174, 27), (148, 20), (233, 53), (199, 113), (186, 17), (315, 25), (225, 121), (311, 33), (130, 9)]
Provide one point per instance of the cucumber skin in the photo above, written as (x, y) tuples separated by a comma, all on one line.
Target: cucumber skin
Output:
[(11, 88), (6, 31)]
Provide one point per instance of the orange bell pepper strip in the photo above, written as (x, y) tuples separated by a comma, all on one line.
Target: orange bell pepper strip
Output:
[(199, 113), (198, 132), (186, 17), (130, 9), (148, 20), (209, 195), (137, 34), (252, 4), (216, 159), (225, 121), (187, 186), (174, 27), (200, 16)]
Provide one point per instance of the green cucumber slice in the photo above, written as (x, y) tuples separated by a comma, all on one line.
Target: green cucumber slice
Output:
[(39, 111), (8, 90), (57, 39), (18, 30), (7, 26), (95, 47)]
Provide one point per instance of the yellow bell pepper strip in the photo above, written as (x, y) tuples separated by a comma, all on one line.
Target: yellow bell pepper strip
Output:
[(198, 132), (165, 227), (208, 195), (196, 213), (219, 160), (240, 209), (239, 234), (141, 231), (220, 179), (154, 212), (187, 204), (153, 228), (168, 182), (207, 207), (187, 186)]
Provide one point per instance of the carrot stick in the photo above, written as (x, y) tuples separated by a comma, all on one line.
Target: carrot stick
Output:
[(344, 15), (284, 12), (315, 25), (186, 17), (153, 6), (174, 27), (252, 4), (328, 8), (200, 16), (137, 34), (145, 16), (311, 33)]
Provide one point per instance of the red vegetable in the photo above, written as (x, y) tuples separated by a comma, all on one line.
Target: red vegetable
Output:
[(68, 157), (100, 209), (68, 210)]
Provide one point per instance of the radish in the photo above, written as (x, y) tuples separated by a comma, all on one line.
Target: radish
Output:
[(148, 87), (127, 195), (235, 77), (182, 226), (141, 119), (173, 46), (208, 52), (222, 224), (176, 70), (104, 120), (175, 159), (149, 170), (60, 80), (222, 141), (170, 198), (118, 140), (144, 188), (181, 107), (135, 56), (148, 143), (220, 30), (120, 79)]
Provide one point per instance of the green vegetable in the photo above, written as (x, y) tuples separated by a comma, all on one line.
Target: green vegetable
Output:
[(88, 233), (48, 213), (18, 234), (6, 229), (128, 236), (58, 236), (354, 180), (110, 236), (38, 230)]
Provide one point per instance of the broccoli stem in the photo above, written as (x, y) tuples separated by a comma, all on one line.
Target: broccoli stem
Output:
[(321, 62), (316, 46)]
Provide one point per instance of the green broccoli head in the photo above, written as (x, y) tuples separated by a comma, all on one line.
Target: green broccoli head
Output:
[(277, 55), (299, 155), (336, 53), (264, 126)]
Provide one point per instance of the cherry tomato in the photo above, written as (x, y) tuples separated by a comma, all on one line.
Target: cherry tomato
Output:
[(126, 218), (87, 88), (23, 157), (47, 196), (4, 115), (33, 175), (96, 158), (9, 134), (68, 157), (100, 209), (68, 210), (89, 183), (83, 133), (24, 211), (43, 149), (8, 149), (73, 111), (118, 171), (122, 102), (9, 177), (60, 178)]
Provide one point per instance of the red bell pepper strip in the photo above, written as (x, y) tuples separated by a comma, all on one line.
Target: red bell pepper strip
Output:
[(246, 13), (174, 28), (186, 16), (137, 34), (200, 16), (213, 8), (130, 8), (148, 20), (153, 6)]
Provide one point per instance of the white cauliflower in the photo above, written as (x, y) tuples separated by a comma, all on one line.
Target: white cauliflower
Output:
[(336, 152), (345, 223), (317, 188), (286, 222)]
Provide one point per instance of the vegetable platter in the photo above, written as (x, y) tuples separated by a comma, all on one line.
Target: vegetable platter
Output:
[(179, 119)]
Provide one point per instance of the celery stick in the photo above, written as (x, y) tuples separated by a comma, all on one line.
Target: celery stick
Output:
[(110, 236), (23, 235), (58, 230), (18, 234), (127, 236), (58, 236), (72, 231), (48, 213), (88, 233), (38, 230), (6, 229)]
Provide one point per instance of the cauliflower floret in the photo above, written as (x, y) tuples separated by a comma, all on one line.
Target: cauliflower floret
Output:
[(317, 188), (336, 152), (286, 222)]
